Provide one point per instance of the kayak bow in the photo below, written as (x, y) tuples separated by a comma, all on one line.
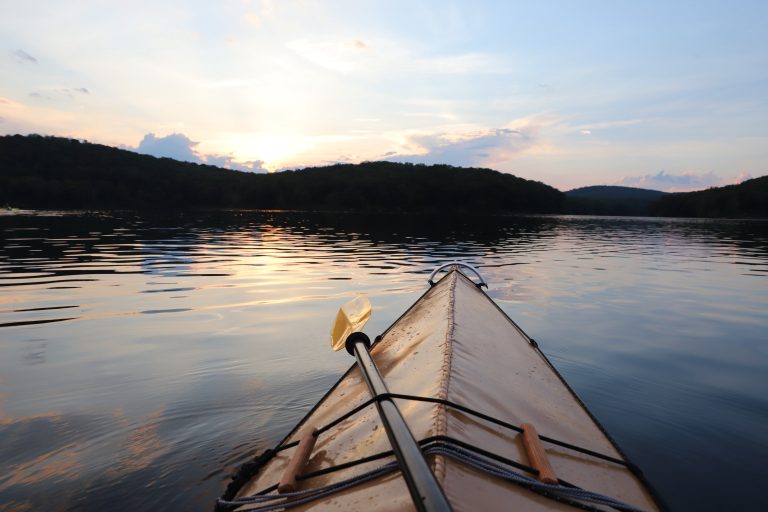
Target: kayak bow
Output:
[(498, 426)]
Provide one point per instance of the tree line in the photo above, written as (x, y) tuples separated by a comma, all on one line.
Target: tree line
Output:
[(53, 172), (748, 199)]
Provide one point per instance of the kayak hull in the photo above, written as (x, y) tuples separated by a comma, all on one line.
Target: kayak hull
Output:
[(455, 344)]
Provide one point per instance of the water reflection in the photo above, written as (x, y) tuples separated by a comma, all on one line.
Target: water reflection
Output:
[(156, 353)]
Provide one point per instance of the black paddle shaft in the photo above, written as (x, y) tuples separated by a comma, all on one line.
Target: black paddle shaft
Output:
[(426, 493)]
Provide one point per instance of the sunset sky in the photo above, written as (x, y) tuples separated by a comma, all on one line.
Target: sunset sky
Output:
[(666, 95)]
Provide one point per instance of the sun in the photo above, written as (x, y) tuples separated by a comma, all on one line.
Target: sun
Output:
[(275, 150)]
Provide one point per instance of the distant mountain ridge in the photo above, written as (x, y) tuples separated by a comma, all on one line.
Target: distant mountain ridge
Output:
[(52, 172), (612, 200), (616, 192)]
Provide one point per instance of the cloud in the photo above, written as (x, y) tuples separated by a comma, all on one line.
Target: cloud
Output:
[(336, 55), (175, 145), (468, 149), (386, 57), (180, 147), (228, 162), (71, 91), (684, 182), (57, 94), (22, 56)]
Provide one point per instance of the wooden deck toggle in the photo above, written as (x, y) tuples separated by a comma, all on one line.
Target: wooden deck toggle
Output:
[(536, 454), (300, 457)]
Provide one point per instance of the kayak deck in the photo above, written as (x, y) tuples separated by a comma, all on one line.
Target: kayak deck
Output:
[(453, 344)]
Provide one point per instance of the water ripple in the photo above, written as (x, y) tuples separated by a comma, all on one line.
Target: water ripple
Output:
[(201, 338)]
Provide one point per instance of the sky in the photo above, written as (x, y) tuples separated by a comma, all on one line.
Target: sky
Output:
[(655, 94)]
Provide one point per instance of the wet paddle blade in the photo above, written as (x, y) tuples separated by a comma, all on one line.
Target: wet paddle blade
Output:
[(351, 317)]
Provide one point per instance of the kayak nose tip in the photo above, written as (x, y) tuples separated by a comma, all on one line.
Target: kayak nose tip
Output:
[(354, 338)]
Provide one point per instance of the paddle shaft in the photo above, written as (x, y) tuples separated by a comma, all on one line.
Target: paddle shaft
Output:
[(426, 493)]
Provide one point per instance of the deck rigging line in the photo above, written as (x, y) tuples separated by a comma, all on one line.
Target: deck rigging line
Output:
[(473, 456), (467, 410), (439, 445)]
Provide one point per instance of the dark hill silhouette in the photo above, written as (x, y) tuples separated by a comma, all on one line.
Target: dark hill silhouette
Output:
[(748, 199), (612, 200), (616, 192), (54, 172)]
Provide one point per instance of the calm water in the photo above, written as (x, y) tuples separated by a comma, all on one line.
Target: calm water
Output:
[(143, 358)]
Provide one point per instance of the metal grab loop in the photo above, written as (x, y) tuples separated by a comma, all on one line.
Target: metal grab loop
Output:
[(457, 264)]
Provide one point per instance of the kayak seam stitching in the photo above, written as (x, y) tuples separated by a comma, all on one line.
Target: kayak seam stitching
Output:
[(442, 412)]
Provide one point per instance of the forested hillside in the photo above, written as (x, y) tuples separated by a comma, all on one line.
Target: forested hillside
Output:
[(52, 172), (747, 199), (612, 200)]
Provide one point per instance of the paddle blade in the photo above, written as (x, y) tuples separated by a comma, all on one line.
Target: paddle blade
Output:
[(351, 317)]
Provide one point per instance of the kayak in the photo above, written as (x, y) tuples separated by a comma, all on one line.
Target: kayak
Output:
[(492, 420)]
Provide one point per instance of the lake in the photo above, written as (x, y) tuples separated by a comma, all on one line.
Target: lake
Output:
[(143, 357)]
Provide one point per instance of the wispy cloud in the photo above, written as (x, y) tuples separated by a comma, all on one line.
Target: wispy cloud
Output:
[(390, 57), (71, 92), (336, 55), (57, 94), (22, 57), (180, 147), (469, 148), (684, 182)]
